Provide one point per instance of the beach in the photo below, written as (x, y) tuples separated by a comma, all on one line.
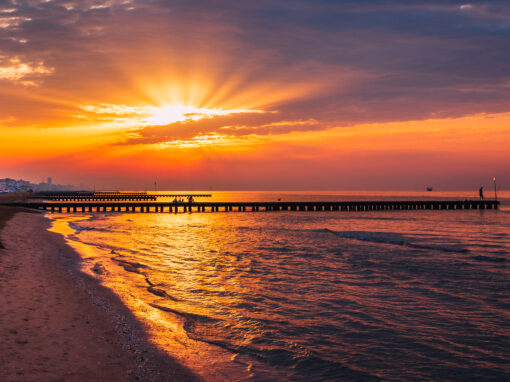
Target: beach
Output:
[(57, 323)]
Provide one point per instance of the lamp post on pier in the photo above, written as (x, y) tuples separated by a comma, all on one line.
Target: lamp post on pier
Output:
[(495, 192)]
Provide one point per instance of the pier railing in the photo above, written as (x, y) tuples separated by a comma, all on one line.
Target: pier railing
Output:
[(153, 206), (104, 196)]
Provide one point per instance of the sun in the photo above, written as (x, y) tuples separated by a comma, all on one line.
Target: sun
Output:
[(168, 114)]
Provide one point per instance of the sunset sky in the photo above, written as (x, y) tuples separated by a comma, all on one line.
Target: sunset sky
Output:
[(286, 94)]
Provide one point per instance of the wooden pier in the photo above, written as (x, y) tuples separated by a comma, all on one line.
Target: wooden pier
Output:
[(151, 206)]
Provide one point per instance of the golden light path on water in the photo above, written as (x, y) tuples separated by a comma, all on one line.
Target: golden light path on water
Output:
[(164, 328)]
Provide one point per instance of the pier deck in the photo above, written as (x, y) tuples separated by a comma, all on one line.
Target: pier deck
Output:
[(153, 206)]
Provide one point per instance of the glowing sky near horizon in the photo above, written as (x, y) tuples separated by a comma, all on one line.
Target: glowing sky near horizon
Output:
[(256, 95)]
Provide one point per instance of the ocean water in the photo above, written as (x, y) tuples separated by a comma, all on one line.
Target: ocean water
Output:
[(321, 296)]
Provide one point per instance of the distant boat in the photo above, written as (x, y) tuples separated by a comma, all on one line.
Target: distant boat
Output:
[(429, 188)]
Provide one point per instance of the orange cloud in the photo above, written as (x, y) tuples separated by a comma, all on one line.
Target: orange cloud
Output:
[(442, 152), (17, 71)]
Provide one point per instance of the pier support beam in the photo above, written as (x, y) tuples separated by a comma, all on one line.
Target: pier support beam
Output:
[(116, 206)]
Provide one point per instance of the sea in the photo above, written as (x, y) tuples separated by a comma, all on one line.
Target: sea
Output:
[(414, 295)]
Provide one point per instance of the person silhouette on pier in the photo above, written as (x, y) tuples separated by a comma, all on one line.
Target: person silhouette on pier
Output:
[(481, 193)]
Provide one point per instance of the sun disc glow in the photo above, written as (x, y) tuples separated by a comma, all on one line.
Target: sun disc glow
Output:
[(140, 116), (166, 115), (176, 113)]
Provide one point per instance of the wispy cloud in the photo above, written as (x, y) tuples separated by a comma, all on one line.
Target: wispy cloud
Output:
[(7, 22), (17, 71), (203, 140)]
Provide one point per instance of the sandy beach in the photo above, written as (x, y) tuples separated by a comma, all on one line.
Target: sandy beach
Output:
[(58, 324)]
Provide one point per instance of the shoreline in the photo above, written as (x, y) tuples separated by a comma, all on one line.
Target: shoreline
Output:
[(58, 323)]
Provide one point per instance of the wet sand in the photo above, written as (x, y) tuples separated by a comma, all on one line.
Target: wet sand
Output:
[(58, 324)]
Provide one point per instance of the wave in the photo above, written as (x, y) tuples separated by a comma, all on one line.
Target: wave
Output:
[(369, 236), (103, 247), (378, 218), (79, 229), (394, 239), (488, 259), (303, 363), (130, 266), (191, 319)]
